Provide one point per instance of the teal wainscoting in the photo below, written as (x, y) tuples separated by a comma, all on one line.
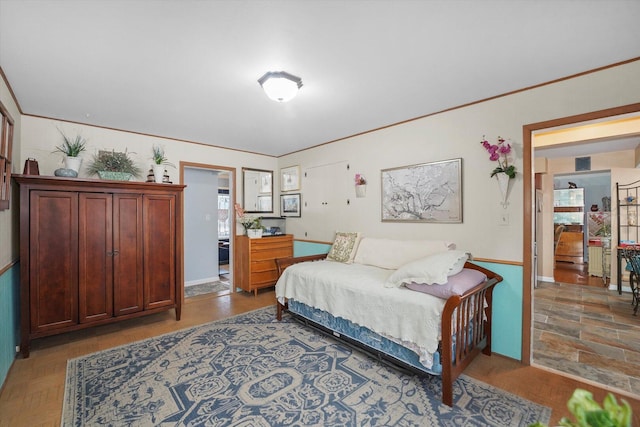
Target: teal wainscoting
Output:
[(310, 248), (506, 337), (9, 318)]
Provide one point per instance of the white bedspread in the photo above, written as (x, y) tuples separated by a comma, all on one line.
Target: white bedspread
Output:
[(356, 292)]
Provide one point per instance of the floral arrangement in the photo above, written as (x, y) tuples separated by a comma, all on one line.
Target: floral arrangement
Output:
[(249, 222), (360, 179), (500, 153)]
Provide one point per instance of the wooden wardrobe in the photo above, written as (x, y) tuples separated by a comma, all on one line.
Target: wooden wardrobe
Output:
[(94, 252)]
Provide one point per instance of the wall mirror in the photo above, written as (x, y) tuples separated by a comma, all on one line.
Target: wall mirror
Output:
[(257, 190)]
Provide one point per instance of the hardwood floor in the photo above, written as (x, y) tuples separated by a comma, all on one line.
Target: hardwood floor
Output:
[(33, 392), (577, 274)]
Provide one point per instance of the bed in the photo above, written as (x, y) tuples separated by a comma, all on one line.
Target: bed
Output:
[(414, 330)]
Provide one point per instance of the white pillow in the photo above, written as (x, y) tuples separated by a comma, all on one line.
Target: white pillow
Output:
[(393, 254), (344, 247), (433, 269)]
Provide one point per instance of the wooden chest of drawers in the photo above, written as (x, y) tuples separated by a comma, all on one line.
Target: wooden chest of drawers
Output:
[(254, 261), (570, 247)]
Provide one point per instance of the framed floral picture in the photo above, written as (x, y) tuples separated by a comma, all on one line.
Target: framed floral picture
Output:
[(290, 178), (427, 192), (290, 205)]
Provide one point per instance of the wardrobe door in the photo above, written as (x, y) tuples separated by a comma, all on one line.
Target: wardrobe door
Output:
[(159, 224), (127, 253), (95, 242), (53, 260)]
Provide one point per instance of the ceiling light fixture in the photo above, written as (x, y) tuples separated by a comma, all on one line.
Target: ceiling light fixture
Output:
[(280, 85)]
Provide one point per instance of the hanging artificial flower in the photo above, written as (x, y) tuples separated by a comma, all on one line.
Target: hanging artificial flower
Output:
[(249, 222), (500, 153)]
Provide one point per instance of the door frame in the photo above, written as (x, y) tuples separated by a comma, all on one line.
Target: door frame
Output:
[(529, 209), (232, 196)]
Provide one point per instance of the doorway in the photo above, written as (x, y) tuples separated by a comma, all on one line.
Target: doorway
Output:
[(581, 225), (530, 337), (208, 240)]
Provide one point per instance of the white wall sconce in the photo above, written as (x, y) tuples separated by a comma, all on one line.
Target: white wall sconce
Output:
[(361, 185), (280, 86)]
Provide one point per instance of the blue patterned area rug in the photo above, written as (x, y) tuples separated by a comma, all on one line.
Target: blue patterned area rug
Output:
[(253, 371)]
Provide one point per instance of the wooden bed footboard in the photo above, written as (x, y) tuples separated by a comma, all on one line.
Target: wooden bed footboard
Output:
[(283, 263), (466, 324), (466, 329)]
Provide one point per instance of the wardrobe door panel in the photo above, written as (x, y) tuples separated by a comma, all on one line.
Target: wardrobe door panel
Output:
[(95, 257), (53, 260), (127, 257), (159, 250)]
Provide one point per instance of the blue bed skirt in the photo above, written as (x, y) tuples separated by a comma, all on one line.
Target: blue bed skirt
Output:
[(364, 336)]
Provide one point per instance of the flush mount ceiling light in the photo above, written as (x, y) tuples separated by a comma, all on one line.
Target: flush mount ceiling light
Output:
[(280, 85)]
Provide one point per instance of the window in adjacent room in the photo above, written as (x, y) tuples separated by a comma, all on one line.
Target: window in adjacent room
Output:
[(6, 141), (223, 214)]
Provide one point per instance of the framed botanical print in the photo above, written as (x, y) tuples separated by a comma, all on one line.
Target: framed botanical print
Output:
[(427, 192), (290, 178)]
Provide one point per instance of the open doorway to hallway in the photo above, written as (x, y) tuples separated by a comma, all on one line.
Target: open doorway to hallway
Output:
[(583, 331), (209, 221), (581, 225)]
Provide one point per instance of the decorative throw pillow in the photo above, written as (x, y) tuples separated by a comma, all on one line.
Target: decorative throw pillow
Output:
[(432, 269), (344, 247), (458, 284)]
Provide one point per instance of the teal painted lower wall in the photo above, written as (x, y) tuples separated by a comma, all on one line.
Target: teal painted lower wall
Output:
[(308, 248), (506, 336), (9, 319)]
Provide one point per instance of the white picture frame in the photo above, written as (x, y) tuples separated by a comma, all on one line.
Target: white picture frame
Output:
[(290, 178), (427, 192)]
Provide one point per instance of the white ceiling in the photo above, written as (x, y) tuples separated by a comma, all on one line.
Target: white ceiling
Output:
[(188, 69)]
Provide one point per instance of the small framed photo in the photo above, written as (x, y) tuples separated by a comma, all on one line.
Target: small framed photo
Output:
[(290, 178), (264, 204), (290, 205)]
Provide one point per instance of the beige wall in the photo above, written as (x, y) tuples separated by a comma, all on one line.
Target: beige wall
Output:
[(599, 162), (8, 218), (40, 136), (456, 134), (442, 136)]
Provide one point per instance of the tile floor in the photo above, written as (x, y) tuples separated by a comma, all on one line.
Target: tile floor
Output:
[(588, 331)]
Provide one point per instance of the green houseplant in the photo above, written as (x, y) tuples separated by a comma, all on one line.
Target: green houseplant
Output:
[(588, 413), (113, 165), (159, 162), (71, 148)]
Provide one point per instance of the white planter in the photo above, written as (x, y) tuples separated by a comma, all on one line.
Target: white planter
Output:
[(73, 163), (254, 233), (158, 173), (361, 190), (503, 183)]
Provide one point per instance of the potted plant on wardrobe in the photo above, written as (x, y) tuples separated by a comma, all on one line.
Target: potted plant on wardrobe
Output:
[(159, 163), (71, 148), (114, 165)]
